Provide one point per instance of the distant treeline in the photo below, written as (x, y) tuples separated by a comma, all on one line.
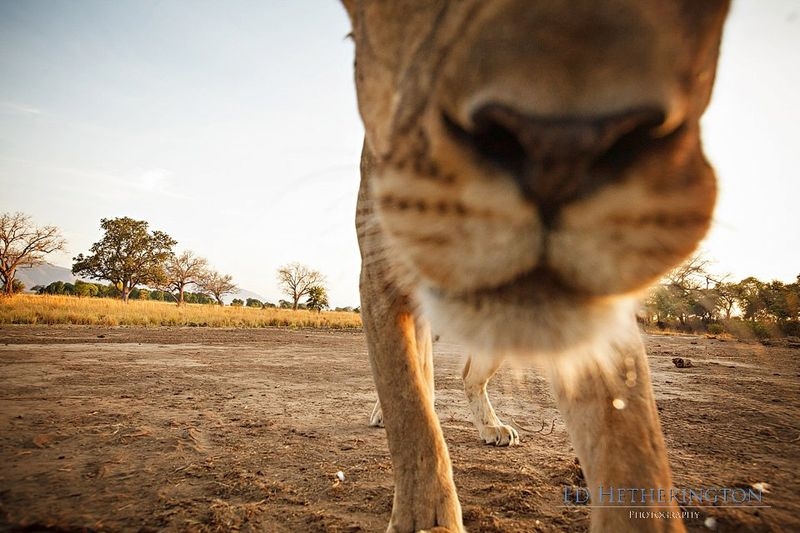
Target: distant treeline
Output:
[(689, 299), (98, 290), (284, 304)]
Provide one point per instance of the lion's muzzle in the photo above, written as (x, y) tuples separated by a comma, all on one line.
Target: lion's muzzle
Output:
[(555, 161)]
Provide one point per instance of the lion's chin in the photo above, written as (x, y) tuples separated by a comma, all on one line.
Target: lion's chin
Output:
[(533, 316)]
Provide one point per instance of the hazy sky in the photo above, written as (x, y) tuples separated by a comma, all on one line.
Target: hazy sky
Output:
[(232, 126)]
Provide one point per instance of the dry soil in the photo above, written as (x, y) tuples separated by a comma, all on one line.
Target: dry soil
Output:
[(132, 429)]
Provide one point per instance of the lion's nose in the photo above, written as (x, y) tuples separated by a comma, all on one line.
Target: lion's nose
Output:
[(553, 160)]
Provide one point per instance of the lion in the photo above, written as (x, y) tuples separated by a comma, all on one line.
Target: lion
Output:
[(528, 169)]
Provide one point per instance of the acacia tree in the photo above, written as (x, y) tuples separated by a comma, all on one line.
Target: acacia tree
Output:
[(216, 284), (295, 280), (127, 255), (183, 270), (24, 245)]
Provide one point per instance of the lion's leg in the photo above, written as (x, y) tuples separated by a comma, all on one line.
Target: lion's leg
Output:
[(422, 328), (425, 355), (477, 373), (425, 496), (612, 420)]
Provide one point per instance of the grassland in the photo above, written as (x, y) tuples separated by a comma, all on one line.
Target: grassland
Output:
[(47, 309)]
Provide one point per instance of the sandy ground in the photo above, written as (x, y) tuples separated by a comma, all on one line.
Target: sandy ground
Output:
[(130, 429)]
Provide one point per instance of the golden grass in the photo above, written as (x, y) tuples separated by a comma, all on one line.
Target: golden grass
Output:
[(48, 309)]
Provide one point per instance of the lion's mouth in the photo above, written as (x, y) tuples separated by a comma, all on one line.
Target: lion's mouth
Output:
[(538, 285)]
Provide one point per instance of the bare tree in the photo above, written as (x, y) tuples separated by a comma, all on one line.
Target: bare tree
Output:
[(692, 274), (216, 284), (295, 280), (23, 245), (183, 270)]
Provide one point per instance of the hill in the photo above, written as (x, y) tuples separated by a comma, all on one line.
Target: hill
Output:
[(44, 275)]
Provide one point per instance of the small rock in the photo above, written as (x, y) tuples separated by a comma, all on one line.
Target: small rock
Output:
[(680, 362)]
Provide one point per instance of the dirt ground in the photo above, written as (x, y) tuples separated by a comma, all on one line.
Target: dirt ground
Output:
[(130, 429)]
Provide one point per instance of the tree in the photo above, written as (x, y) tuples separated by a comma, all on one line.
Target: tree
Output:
[(692, 274), (56, 287), (85, 289), (727, 297), (664, 301), (777, 300), (254, 302), (237, 302), (317, 298), (198, 298), (295, 280), (128, 255), (23, 245), (216, 285), (793, 299), (691, 290), (183, 270), (751, 297)]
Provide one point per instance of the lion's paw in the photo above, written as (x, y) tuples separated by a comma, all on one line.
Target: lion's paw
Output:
[(376, 418), (500, 435)]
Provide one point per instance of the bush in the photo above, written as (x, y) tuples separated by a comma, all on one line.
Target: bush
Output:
[(760, 330), (791, 328), (716, 329)]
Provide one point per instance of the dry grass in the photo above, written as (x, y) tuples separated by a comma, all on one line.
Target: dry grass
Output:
[(46, 309)]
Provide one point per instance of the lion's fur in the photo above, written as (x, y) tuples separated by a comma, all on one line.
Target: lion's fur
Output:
[(519, 254)]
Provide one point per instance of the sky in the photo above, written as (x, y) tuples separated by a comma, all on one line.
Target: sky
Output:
[(233, 127)]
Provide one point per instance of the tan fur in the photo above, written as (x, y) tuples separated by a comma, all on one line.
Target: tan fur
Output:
[(528, 169), (476, 375)]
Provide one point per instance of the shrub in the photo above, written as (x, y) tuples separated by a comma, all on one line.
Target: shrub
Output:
[(760, 330), (791, 328)]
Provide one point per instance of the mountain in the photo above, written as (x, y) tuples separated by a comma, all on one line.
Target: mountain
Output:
[(46, 274), (242, 294), (43, 275)]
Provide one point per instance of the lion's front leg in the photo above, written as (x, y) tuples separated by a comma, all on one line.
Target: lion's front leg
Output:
[(425, 496), (477, 373), (612, 419), (425, 358)]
